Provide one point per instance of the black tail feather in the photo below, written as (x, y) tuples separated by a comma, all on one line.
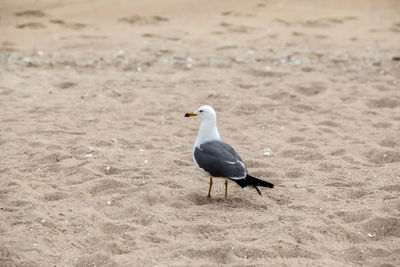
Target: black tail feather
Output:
[(255, 182)]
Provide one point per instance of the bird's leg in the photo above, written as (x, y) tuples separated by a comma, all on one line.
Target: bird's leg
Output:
[(209, 190), (226, 188)]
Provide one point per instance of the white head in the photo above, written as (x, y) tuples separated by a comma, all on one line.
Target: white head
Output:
[(204, 112)]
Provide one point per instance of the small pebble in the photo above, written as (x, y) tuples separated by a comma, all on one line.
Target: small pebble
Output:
[(120, 53)]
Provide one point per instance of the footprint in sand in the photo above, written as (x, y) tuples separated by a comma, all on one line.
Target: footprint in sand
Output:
[(382, 125), (256, 164), (95, 259), (264, 73), (301, 108), (249, 253), (322, 23), (31, 25), (237, 14), (171, 184), (216, 255), (384, 102), (281, 22), (388, 142), (289, 153), (391, 188), (30, 13), (116, 248), (182, 163), (8, 47), (353, 216), (52, 158), (247, 109), (93, 37), (108, 185), (233, 28), (209, 232), (383, 227), (311, 90), (66, 85), (295, 252), (395, 27), (296, 139), (54, 196), (329, 123), (69, 25), (378, 157), (297, 34), (294, 173), (116, 229), (6, 91), (302, 237), (260, 173), (284, 97), (321, 36), (135, 19), (338, 152), (357, 194), (354, 254)]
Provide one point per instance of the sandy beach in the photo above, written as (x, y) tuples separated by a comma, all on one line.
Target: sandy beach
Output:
[(96, 161)]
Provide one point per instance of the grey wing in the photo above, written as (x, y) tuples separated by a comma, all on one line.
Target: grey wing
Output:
[(220, 160)]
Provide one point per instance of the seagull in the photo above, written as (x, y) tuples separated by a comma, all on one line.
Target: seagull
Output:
[(218, 159)]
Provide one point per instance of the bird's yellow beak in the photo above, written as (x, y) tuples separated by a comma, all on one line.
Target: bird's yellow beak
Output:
[(190, 114)]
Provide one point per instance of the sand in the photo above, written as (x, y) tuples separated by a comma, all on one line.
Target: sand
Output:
[(96, 155)]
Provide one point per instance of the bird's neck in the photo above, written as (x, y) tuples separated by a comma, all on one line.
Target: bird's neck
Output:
[(207, 132)]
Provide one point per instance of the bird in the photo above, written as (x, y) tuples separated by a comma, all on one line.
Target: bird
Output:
[(216, 158)]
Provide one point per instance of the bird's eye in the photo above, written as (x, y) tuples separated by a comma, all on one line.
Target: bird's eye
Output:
[(200, 111)]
